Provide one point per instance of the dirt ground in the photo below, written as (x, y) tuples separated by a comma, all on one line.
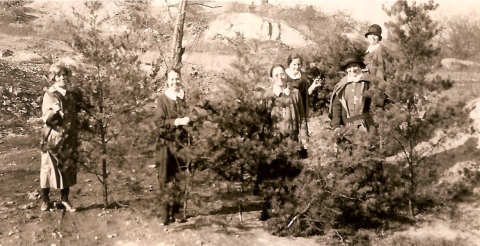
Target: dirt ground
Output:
[(134, 224)]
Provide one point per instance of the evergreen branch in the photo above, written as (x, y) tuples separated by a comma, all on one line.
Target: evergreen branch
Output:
[(403, 148), (344, 196), (333, 211), (432, 149), (338, 235), (300, 214), (94, 172), (195, 40), (127, 206)]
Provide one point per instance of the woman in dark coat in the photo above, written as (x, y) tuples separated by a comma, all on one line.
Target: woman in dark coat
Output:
[(349, 104), (171, 116), (374, 56), (59, 157)]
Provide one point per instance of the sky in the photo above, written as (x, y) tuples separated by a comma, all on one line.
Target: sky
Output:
[(372, 10), (368, 10)]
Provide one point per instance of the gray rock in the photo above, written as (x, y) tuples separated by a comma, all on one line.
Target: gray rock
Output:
[(7, 53)]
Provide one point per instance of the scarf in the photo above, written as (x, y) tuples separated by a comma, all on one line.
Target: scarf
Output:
[(372, 48)]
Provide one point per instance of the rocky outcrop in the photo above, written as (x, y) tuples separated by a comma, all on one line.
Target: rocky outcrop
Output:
[(451, 63), (252, 26)]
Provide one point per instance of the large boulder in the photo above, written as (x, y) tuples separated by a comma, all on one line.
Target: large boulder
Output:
[(251, 26), (55, 14)]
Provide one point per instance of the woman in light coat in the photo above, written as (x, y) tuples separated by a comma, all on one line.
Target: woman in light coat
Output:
[(59, 138)]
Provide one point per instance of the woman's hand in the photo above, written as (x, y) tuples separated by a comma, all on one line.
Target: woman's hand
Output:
[(182, 121), (316, 83)]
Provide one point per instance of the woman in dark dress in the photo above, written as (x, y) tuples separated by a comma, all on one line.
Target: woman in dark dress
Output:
[(300, 81), (171, 117)]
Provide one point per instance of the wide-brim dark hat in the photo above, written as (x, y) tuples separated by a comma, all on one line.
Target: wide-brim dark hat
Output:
[(352, 58), (375, 30)]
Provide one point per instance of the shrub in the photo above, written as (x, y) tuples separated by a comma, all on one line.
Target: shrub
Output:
[(384, 175)]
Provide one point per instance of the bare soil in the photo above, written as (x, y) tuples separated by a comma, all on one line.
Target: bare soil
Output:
[(130, 220)]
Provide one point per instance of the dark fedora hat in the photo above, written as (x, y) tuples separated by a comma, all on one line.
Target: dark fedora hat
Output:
[(375, 30), (352, 58)]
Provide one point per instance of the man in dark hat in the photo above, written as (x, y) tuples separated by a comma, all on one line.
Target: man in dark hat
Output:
[(374, 57), (349, 105)]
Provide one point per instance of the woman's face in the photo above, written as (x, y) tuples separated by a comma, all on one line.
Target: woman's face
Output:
[(295, 64), (61, 80), (279, 77), (353, 69), (373, 39), (173, 80)]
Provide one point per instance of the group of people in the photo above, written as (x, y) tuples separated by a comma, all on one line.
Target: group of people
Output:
[(290, 90)]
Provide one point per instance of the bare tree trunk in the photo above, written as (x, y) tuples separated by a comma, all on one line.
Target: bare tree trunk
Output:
[(177, 49), (105, 185), (411, 196), (104, 168)]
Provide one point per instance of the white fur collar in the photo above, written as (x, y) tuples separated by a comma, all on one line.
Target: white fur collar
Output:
[(170, 93), (277, 90), (372, 48), (355, 79), (292, 73), (57, 88)]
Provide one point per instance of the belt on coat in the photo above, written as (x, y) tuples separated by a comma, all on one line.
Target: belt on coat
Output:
[(357, 117)]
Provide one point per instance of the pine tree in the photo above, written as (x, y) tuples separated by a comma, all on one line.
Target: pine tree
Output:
[(117, 91)]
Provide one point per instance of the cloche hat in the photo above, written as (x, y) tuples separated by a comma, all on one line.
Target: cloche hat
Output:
[(375, 30)]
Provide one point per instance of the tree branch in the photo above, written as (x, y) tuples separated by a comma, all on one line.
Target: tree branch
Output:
[(338, 235), (403, 148), (300, 214), (204, 5)]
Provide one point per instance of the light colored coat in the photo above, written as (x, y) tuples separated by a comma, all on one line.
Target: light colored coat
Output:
[(53, 174)]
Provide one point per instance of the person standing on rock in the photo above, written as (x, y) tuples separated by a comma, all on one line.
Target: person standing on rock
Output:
[(60, 143), (171, 117), (374, 56)]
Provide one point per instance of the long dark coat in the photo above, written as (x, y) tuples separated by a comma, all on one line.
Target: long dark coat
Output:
[(376, 63), (352, 107)]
